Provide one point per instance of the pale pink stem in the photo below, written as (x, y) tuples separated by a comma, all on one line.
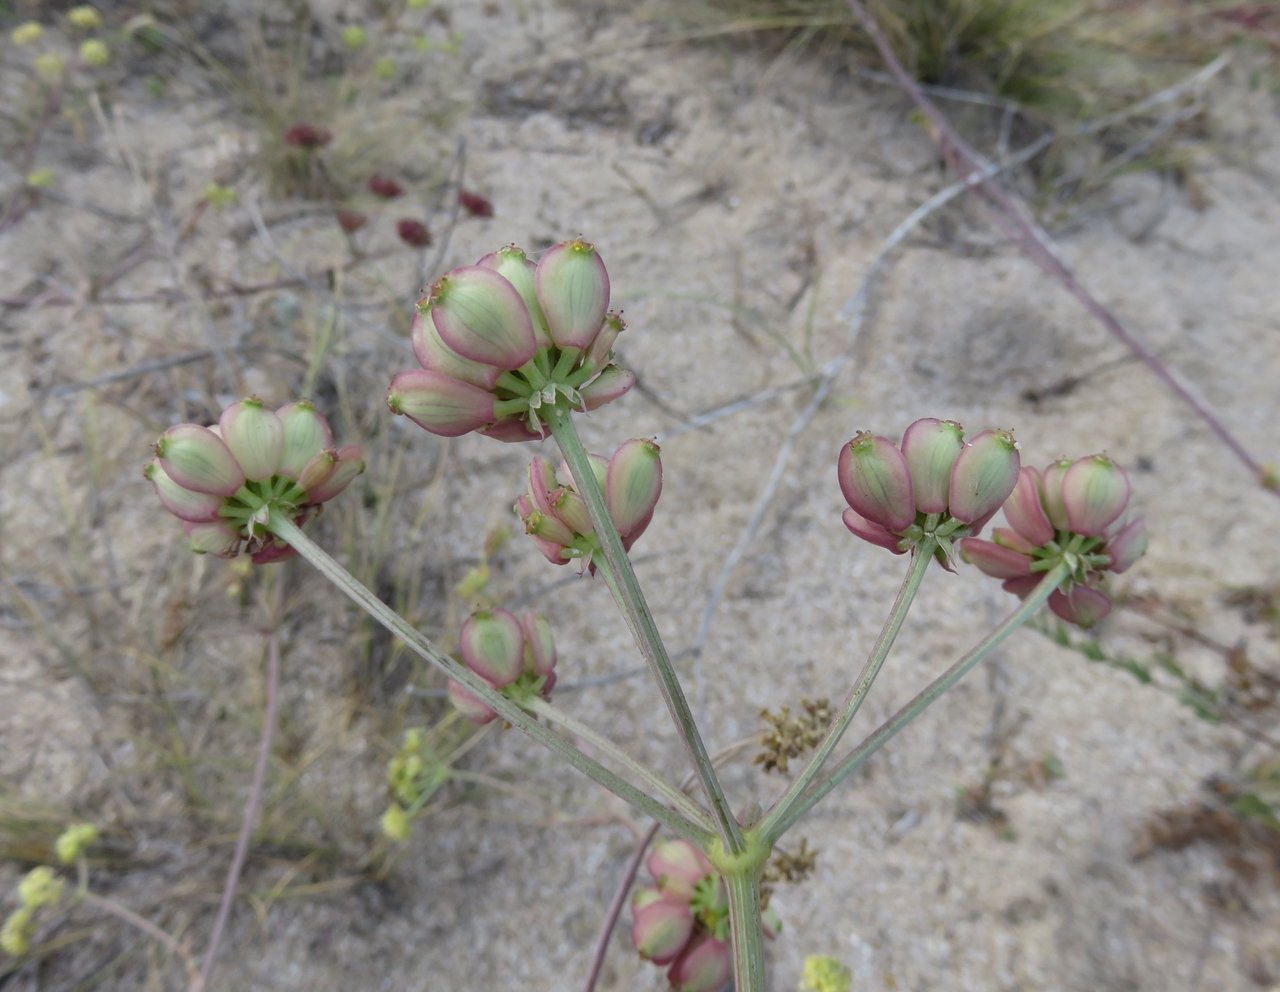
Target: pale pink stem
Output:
[(252, 803), (615, 908)]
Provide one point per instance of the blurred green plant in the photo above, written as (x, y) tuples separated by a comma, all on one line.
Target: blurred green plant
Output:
[(1054, 59), (1161, 670)]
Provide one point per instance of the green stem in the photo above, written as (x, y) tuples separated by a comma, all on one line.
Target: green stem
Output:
[(626, 590), (922, 700), (513, 382), (746, 929), (287, 531), (860, 688), (568, 357), (504, 408), (656, 784)]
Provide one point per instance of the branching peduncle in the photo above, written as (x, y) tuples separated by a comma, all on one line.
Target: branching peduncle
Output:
[(626, 590), (777, 826), (287, 531), (656, 785), (923, 557)]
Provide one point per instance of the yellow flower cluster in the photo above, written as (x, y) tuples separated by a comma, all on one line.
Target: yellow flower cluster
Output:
[(825, 974)]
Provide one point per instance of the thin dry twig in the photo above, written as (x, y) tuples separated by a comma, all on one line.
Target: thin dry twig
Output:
[(123, 913), (253, 801), (1019, 228), (142, 368), (165, 236), (854, 312), (619, 900), (459, 175), (308, 279)]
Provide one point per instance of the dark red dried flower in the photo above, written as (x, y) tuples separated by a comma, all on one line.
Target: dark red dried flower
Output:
[(351, 220), (475, 204), (386, 188), (304, 135), (413, 232)]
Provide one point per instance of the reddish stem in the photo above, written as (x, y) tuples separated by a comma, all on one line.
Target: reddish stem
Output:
[(251, 806), (615, 908)]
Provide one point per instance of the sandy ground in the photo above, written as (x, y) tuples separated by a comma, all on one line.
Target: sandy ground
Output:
[(715, 182)]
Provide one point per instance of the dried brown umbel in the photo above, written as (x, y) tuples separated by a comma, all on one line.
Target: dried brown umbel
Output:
[(790, 736)]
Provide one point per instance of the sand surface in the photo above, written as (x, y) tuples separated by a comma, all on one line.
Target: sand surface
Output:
[(739, 201)]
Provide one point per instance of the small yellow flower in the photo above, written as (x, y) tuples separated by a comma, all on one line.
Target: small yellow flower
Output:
[(85, 18), (40, 887), (825, 974), (355, 37), (26, 33), (74, 840), (94, 52), (385, 68), (50, 66), (39, 179), (395, 823), (15, 935), (219, 196), (474, 583)]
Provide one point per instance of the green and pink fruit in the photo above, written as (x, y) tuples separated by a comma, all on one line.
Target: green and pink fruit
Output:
[(255, 436), (876, 482), (481, 317), (661, 929), (348, 462), (1025, 510), (1095, 491), (611, 383), (1080, 605), (469, 704), (196, 458), (931, 447), (633, 483), (1051, 493), (514, 266), (861, 527), (678, 867), (306, 434), (539, 645), (993, 559), (1126, 545), (705, 966), (432, 353), (492, 645), (440, 404), (214, 538), (185, 504), (573, 287), (983, 477)]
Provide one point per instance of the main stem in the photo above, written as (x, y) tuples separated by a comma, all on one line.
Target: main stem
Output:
[(746, 929), (626, 589), (860, 688), (920, 702), (287, 531)]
